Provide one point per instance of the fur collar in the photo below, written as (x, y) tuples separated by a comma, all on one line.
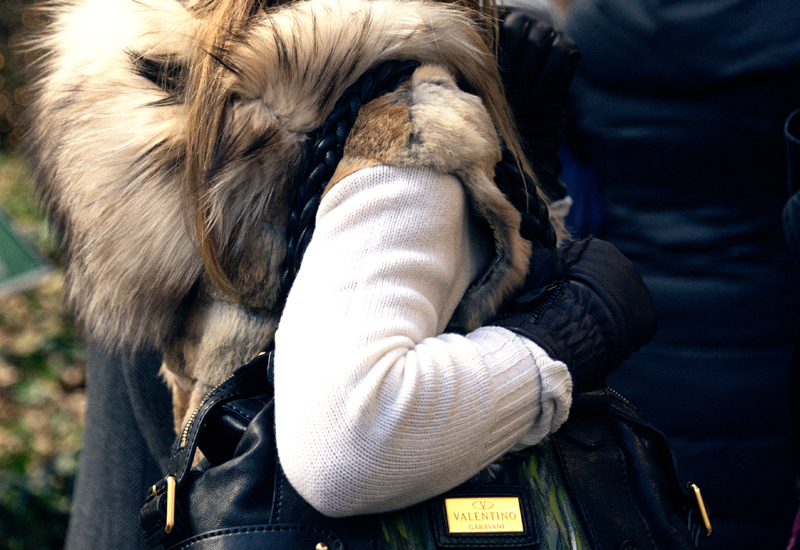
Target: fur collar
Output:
[(107, 139)]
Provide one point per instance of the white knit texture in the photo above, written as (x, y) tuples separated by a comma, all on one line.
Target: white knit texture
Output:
[(376, 408)]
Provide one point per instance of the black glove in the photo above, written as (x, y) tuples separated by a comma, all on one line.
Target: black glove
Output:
[(537, 62), (593, 317), (549, 264)]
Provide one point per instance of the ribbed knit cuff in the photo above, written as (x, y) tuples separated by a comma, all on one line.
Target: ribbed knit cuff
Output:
[(531, 392), (555, 397)]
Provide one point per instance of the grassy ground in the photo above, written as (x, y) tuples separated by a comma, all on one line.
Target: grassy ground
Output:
[(42, 369)]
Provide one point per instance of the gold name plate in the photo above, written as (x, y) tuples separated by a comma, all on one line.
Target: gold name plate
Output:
[(483, 515)]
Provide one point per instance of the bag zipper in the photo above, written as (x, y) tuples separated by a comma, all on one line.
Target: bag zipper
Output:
[(620, 396), (185, 431)]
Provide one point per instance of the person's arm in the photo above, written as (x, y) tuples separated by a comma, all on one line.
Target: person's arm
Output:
[(376, 408)]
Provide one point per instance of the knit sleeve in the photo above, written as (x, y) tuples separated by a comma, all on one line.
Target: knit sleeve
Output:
[(376, 407)]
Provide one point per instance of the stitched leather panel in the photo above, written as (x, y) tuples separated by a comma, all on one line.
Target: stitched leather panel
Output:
[(296, 537)]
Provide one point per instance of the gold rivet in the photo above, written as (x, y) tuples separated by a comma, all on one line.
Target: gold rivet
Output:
[(321, 546)]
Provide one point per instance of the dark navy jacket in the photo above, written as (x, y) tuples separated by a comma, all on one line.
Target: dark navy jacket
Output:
[(679, 107)]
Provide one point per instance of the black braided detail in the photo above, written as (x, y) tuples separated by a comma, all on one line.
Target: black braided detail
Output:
[(326, 153), (521, 191)]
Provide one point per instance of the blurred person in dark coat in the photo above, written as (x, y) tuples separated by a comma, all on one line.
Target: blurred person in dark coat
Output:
[(678, 110), (791, 228)]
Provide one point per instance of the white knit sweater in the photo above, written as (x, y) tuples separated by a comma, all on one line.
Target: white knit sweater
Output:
[(377, 408)]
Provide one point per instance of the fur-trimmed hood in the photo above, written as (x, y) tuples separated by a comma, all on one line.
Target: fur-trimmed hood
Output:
[(107, 141)]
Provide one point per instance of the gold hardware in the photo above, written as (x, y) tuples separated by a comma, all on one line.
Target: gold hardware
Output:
[(484, 515), (170, 505), (155, 491), (321, 546), (702, 506)]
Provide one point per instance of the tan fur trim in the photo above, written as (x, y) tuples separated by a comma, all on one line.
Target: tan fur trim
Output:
[(106, 157), (383, 127), (107, 139), (431, 122), (380, 132)]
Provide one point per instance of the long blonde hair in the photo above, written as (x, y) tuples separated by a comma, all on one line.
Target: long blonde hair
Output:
[(223, 21)]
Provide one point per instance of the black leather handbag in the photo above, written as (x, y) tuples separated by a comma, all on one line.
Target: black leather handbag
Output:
[(617, 468), (605, 481)]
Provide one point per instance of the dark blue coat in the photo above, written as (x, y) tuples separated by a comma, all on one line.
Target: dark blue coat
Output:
[(679, 107)]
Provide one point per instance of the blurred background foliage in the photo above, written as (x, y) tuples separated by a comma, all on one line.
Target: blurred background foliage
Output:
[(17, 19), (42, 359), (42, 374)]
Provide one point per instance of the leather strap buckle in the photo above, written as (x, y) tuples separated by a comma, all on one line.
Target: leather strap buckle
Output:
[(703, 511)]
